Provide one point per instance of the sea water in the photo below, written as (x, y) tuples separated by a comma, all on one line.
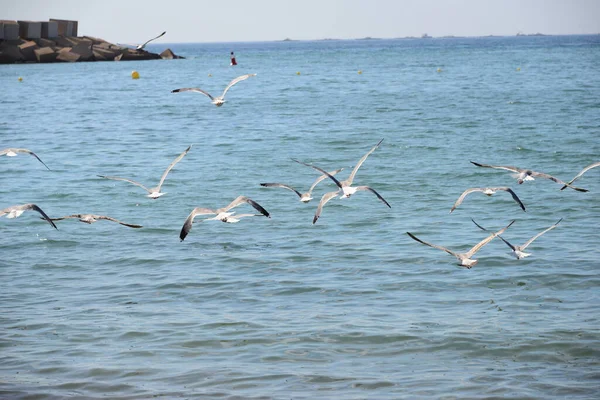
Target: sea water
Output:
[(272, 308)]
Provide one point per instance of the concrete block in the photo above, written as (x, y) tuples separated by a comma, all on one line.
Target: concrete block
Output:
[(66, 55), (65, 41), (84, 49), (30, 29), (101, 54), (45, 54), (1, 30), (49, 29), (66, 27), (10, 53), (46, 43), (28, 50), (10, 30), (169, 55)]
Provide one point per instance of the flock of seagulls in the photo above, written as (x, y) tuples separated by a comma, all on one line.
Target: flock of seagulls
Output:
[(345, 189)]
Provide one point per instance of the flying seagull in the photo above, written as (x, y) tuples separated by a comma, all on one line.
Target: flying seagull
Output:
[(91, 218), (12, 152), (155, 192), (518, 251), (346, 185), (464, 259), (221, 214), (219, 100), (304, 197), (16, 211), (583, 171), (141, 46), (487, 191), (527, 175)]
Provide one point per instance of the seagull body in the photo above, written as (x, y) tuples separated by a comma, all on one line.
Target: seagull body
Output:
[(91, 218), (16, 211), (304, 197), (487, 191), (141, 46), (527, 175), (219, 100), (222, 214), (464, 259), (518, 251), (583, 171), (12, 152), (345, 186), (155, 192)]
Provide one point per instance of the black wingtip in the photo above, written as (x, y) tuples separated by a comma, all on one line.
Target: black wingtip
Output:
[(175, 91)]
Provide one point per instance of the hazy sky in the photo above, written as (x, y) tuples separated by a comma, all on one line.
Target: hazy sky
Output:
[(255, 20)]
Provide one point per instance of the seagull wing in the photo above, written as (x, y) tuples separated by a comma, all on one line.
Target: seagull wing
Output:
[(175, 161), (527, 243), (117, 221), (463, 195), (66, 217), (504, 240), (507, 168), (583, 171), (374, 192), (187, 225), (116, 178), (319, 179), (513, 194), (360, 162), (432, 245), (236, 80), (33, 154), (326, 197), (281, 185), (144, 45), (243, 199), (543, 175), (42, 213), (197, 90), (485, 241), (321, 171)]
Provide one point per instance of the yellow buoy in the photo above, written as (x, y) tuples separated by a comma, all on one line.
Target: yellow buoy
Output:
[(298, 73), (359, 71), (518, 68), (20, 79), (209, 75), (135, 75), (439, 70)]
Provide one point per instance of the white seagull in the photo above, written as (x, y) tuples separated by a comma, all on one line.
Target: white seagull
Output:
[(464, 259), (16, 211), (141, 46), (219, 100), (583, 171), (222, 214), (527, 175), (304, 197), (155, 192), (12, 152), (518, 251), (346, 185), (91, 218), (487, 191)]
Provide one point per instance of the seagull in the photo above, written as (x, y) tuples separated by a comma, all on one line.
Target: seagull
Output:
[(465, 259), (345, 186), (219, 100), (222, 214), (12, 152), (583, 171), (91, 218), (527, 175), (324, 200), (155, 192), (517, 251), (487, 191), (304, 197), (16, 211), (141, 46)]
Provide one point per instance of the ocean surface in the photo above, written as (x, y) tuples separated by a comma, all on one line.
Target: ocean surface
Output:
[(280, 308)]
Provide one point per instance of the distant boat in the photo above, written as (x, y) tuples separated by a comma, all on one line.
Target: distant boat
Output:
[(425, 36)]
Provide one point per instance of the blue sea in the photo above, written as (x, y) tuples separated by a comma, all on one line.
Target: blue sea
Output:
[(280, 308)]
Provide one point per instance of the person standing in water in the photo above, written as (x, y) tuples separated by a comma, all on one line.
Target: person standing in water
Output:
[(233, 62)]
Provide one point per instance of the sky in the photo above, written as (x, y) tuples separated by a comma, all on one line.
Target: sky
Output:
[(266, 20)]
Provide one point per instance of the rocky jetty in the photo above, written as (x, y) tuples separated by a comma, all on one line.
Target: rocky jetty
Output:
[(72, 49)]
